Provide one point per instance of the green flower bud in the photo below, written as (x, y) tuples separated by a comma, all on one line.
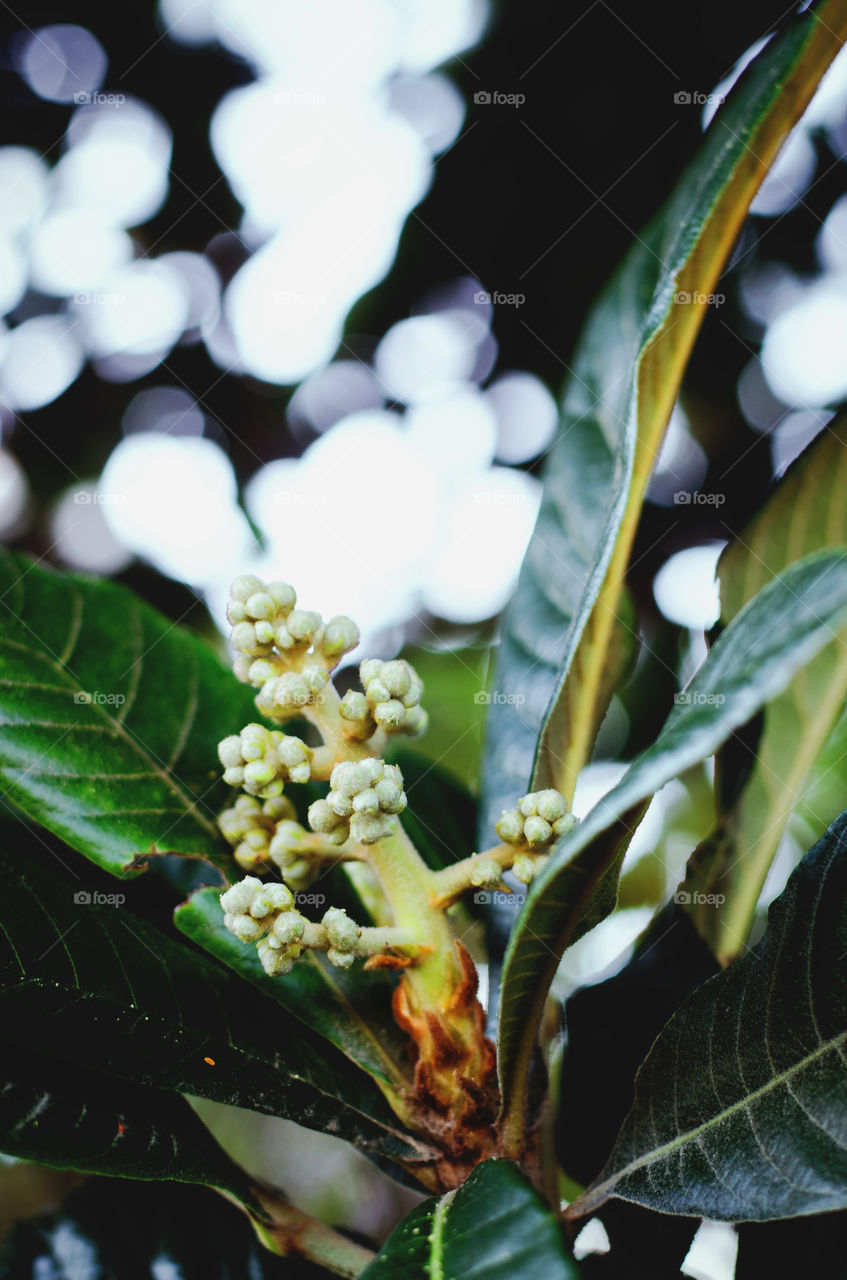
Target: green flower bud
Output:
[(289, 928), (391, 714), (369, 670), (283, 638), (523, 868), (239, 896), (241, 665), (258, 774), (415, 721), (261, 606), (348, 778), (245, 929), (255, 741), (528, 805), (322, 817), (244, 639), (413, 696), (303, 623), (283, 596), (485, 872), (537, 832), (366, 801), (510, 827), (341, 959), (236, 611), (261, 671), (354, 706), (565, 824), (550, 805), (342, 932), (316, 677), (367, 830), (234, 776), (276, 963), (271, 898), (391, 797), (291, 691), (377, 692), (340, 636), (256, 838)]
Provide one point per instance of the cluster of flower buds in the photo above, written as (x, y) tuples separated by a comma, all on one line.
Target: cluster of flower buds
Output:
[(284, 652), (363, 797), (391, 700), (251, 827), (261, 760), (265, 913), (540, 819)]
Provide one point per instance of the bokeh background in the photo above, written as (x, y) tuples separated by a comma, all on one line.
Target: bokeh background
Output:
[(292, 289)]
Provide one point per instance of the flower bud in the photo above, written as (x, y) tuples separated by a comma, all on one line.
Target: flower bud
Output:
[(537, 832), (340, 636), (341, 959), (485, 872), (523, 868), (245, 586), (343, 933), (510, 826)]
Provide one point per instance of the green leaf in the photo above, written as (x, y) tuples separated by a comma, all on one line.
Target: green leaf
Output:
[(495, 1226), (740, 1108), (352, 1010), (67, 1118), (454, 682), (105, 989), (563, 624), (806, 513), (786, 624), (110, 717)]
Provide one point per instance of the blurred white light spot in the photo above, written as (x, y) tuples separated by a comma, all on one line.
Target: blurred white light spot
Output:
[(424, 358), (342, 388), (129, 120), (63, 63), (433, 106), (173, 501), (681, 464), (829, 105), (167, 409), (484, 537), (13, 275), (804, 354), (188, 21), (591, 1239), (24, 185), (458, 433), (596, 780), (608, 944), (685, 588), (713, 1252), (140, 310), (203, 286), (788, 178), (435, 30), (42, 358), (794, 433), (767, 290), (526, 416), (14, 493), (758, 403), (72, 250), (831, 243), (81, 536), (124, 181)]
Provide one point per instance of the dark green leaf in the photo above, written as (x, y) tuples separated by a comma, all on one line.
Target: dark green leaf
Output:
[(110, 717), (495, 1226), (786, 624), (563, 623), (105, 989), (353, 1010), (59, 1115), (740, 1108)]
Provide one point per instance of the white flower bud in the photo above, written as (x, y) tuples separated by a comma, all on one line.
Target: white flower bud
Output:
[(322, 817), (348, 778), (239, 896), (391, 797), (413, 696), (366, 801), (373, 770), (260, 605), (234, 776), (257, 774), (276, 963), (354, 706), (367, 830), (289, 928), (341, 959), (303, 623), (255, 741), (340, 804), (529, 805), (236, 611), (550, 805), (260, 672), (342, 932), (291, 691), (523, 868), (244, 639), (563, 825), (415, 721), (272, 897), (241, 664), (283, 638), (369, 670), (390, 715), (229, 751), (316, 677), (244, 928), (340, 636), (377, 692), (283, 596), (245, 586), (397, 677)]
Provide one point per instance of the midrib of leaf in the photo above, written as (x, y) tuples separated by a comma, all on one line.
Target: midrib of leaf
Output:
[(600, 1192), (436, 1236), (114, 726)]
